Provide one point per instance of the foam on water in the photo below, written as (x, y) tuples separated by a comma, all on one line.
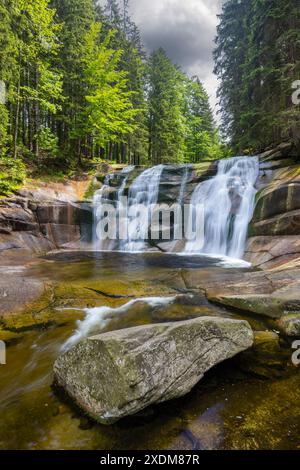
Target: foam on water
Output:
[(97, 318)]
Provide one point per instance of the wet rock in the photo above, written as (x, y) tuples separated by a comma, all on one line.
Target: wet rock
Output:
[(116, 374), (273, 293), (61, 234), (270, 252), (276, 201), (290, 324), (65, 214), (276, 220), (260, 304), (17, 219), (287, 223), (273, 305), (282, 150)]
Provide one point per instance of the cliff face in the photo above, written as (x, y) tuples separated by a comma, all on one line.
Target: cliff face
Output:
[(275, 227)]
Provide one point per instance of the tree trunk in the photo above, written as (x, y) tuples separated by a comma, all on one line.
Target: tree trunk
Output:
[(16, 131), (36, 112)]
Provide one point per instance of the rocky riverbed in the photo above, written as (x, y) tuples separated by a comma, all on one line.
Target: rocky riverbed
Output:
[(45, 298)]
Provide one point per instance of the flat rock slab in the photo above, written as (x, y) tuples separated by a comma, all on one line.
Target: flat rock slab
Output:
[(117, 374)]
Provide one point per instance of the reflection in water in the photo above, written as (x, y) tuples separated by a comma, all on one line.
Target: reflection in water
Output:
[(207, 431)]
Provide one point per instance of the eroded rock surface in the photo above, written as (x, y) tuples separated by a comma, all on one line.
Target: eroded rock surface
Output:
[(116, 374), (275, 228)]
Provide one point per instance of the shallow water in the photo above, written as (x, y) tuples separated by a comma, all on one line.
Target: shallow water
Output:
[(230, 408)]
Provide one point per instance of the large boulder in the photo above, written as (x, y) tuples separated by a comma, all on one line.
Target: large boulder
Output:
[(116, 374)]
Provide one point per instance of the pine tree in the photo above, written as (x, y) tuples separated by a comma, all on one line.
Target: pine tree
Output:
[(8, 67), (35, 88), (76, 17), (166, 103), (201, 139), (257, 60)]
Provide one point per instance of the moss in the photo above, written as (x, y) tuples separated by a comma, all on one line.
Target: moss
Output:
[(91, 190), (201, 168), (12, 175)]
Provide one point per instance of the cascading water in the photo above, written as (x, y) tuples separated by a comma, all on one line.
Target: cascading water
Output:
[(144, 190), (103, 196), (228, 201), (187, 169)]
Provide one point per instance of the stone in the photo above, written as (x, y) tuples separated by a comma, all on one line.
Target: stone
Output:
[(261, 304), (120, 373), (268, 252), (61, 234), (16, 219), (66, 214), (271, 202), (287, 223), (290, 324)]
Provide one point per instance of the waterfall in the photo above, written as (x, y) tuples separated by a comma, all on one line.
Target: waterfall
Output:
[(144, 190), (103, 196), (187, 169), (228, 201)]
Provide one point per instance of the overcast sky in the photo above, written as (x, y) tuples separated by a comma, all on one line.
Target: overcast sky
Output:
[(185, 29)]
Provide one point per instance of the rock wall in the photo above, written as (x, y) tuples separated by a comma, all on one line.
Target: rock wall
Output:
[(33, 227), (275, 228)]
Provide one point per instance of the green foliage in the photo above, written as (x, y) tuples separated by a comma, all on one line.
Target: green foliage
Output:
[(12, 175), (80, 88), (109, 114), (166, 101), (201, 136), (48, 141), (257, 60), (4, 121)]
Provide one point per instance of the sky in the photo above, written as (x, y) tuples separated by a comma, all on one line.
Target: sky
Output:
[(186, 30)]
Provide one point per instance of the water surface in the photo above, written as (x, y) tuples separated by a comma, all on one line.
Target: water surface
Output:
[(231, 408)]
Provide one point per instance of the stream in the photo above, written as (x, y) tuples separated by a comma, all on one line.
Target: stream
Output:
[(249, 402), (231, 407)]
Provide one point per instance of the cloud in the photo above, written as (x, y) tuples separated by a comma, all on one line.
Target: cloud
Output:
[(186, 29)]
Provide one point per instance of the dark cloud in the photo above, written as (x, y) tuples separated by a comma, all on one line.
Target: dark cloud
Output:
[(185, 29)]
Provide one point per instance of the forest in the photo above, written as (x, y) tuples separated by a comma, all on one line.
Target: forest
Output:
[(77, 86), (257, 59)]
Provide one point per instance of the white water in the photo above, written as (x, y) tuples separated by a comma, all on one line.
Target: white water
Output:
[(228, 201), (101, 196), (144, 190), (183, 185), (97, 318)]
